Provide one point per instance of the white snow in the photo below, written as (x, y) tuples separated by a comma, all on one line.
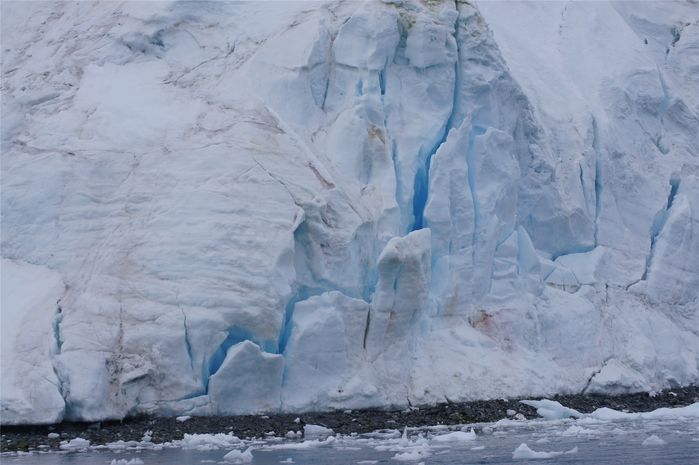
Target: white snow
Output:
[(183, 418), (336, 205)]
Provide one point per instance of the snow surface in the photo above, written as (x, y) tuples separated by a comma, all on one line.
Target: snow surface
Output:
[(285, 206)]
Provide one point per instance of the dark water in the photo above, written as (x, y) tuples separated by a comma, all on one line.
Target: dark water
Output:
[(597, 442)]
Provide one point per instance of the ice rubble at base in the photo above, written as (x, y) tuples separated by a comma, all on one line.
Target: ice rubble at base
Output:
[(371, 203), (415, 444), (553, 410)]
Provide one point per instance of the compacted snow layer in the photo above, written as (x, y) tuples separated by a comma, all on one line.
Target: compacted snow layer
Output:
[(285, 206)]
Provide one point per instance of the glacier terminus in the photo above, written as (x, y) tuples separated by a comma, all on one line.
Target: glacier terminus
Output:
[(221, 208)]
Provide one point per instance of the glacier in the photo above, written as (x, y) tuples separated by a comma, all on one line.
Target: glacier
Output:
[(216, 208)]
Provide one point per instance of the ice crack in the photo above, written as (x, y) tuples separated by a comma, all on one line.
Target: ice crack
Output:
[(421, 185), (659, 223)]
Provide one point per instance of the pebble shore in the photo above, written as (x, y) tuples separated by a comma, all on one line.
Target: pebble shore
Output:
[(36, 437)]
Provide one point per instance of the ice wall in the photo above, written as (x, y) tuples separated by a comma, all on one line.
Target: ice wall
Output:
[(264, 206)]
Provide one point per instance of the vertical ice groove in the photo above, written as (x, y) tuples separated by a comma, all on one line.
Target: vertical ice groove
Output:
[(285, 331), (422, 177), (57, 349), (475, 132), (598, 179), (659, 223), (366, 328), (187, 343)]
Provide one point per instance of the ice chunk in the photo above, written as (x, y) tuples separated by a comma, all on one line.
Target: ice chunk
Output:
[(653, 440), (523, 452), (75, 444), (238, 456), (576, 430), (316, 431), (552, 410), (456, 436), (248, 381), (413, 454), (311, 444), (134, 461), (605, 413), (208, 441)]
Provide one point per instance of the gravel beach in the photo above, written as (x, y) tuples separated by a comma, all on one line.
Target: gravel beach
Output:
[(31, 437)]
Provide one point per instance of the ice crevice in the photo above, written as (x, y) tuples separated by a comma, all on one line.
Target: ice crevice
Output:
[(592, 376), (422, 177), (57, 348), (658, 224), (187, 342), (598, 179)]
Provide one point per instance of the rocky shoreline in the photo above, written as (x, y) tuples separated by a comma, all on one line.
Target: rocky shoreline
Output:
[(36, 437)]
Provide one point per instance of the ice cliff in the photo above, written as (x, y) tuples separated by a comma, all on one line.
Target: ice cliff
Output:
[(226, 208)]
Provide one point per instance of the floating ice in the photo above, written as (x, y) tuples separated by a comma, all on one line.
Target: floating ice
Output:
[(208, 441), (238, 456), (134, 461), (523, 452), (653, 440), (456, 436)]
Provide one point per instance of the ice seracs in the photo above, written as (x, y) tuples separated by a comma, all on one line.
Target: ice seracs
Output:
[(227, 209)]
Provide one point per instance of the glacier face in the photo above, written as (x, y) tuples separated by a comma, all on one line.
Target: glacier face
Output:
[(243, 207)]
